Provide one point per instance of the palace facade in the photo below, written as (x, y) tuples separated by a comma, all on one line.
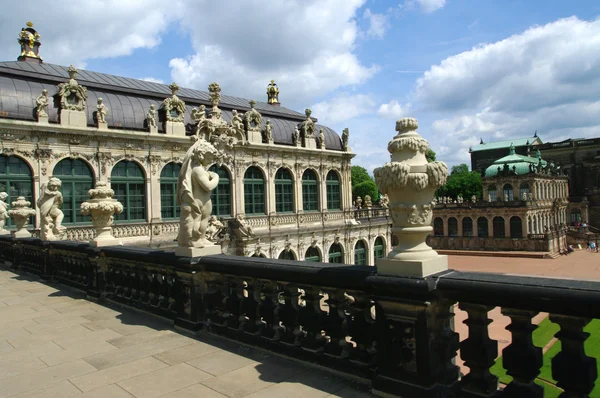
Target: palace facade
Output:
[(284, 188)]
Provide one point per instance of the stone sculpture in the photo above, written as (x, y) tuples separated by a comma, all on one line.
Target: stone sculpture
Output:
[(368, 202), (101, 112), (241, 228), (49, 203), (41, 109), (151, 117), (173, 106), (102, 208), (358, 202), (321, 138), (296, 137), (524, 196), (530, 196), (506, 197), (410, 181), (237, 125), (215, 226), (73, 96), (345, 137), (384, 201), (489, 198), (459, 199), (268, 131), (194, 186), (474, 199), (3, 213), (199, 116), (20, 213)]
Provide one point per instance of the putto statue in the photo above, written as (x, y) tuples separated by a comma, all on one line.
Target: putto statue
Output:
[(241, 228), (321, 139), (345, 137), (368, 202), (101, 112), (194, 186), (296, 137), (474, 199), (215, 226), (384, 201), (41, 102), (3, 213), (151, 117), (268, 131), (51, 216), (237, 126)]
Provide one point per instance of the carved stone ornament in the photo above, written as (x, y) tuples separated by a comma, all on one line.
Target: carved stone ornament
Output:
[(3, 213), (101, 111), (102, 208), (151, 117), (410, 182), (73, 96), (268, 132), (272, 93), (345, 137), (29, 40), (307, 127), (20, 213), (241, 228), (41, 105), (252, 118), (50, 201), (174, 107)]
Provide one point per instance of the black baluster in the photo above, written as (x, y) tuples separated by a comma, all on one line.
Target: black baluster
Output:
[(268, 303), (479, 353), (335, 325), (288, 313), (361, 328), (249, 307), (311, 317), (574, 371), (521, 359)]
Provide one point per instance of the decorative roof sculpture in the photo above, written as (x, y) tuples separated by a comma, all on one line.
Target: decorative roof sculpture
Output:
[(273, 93), (29, 40), (73, 96), (252, 118), (173, 106)]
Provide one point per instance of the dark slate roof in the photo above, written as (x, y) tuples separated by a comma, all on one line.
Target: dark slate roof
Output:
[(128, 100)]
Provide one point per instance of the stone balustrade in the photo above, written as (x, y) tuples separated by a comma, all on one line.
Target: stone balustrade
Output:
[(392, 332)]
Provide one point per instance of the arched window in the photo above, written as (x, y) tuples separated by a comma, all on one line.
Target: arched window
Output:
[(128, 181), (77, 179), (498, 225), (508, 192), (336, 254), (524, 189), (221, 195), (287, 255), (467, 224), (575, 216), (379, 248), (492, 193), (516, 227), (254, 191), (360, 253), (452, 226), (258, 255), (168, 191), (438, 226), (16, 180), (482, 227), (310, 191), (284, 191), (313, 255), (333, 191)]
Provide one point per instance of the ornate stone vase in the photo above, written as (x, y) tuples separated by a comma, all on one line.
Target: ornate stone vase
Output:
[(410, 182), (20, 213), (102, 208)]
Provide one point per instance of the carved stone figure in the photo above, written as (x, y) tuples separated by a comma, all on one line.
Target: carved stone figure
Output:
[(321, 138), (237, 124), (384, 201), (268, 131), (368, 202), (20, 213), (42, 105), (198, 115), (252, 118), (151, 117), (215, 226), (101, 111), (241, 228), (296, 137), (73, 96), (3, 213), (459, 199), (173, 106), (359, 202), (506, 197), (308, 127), (49, 203), (272, 93), (194, 186), (524, 196), (345, 137), (102, 207), (474, 199), (529, 196), (489, 198)]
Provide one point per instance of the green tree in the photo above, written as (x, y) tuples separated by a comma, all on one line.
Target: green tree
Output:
[(430, 155), (462, 182), (363, 184)]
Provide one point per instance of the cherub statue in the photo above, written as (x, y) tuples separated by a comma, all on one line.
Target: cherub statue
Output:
[(3, 212), (384, 201), (102, 111), (368, 202), (151, 117), (214, 228), (506, 197), (51, 216), (194, 186), (529, 196), (524, 196), (268, 131), (358, 202), (345, 136), (42, 104), (241, 228), (489, 198), (473, 198), (198, 115), (321, 138), (295, 136)]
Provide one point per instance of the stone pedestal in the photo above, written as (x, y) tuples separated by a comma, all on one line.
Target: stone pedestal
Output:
[(153, 129), (4, 232), (310, 143), (107, 241), (73, 118), (175, 128), (198, 251), (102, 126), (255, 136), (415, 268), (43, 119)]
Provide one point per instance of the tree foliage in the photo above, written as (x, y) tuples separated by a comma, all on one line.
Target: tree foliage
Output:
[(462, 182), (363, 184), (430, 155)]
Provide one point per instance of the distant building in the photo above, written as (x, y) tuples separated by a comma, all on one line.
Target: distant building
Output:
[(524, 208), (284, 190), (484, 154)]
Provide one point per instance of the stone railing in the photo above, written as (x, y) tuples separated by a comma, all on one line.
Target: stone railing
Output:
[(395, 333), (297, 219)]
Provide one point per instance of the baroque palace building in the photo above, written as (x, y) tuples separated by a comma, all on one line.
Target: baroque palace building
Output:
[(524, 207), (284, 189)]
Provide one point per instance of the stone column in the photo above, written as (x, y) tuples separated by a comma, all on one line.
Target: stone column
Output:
[(270, 206), (298, 190), (524, 227), (460, 226), (445, 225), (490, 227), (154, 197), (323, 191), (410, 183), (507, 226)]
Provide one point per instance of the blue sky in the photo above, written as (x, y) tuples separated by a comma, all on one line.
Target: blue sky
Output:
[(496, 69)]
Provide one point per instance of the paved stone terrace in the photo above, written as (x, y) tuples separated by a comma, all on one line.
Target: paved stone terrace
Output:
[(56, 344)]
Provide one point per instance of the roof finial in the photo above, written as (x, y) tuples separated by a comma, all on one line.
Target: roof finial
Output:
[(29, 40), (535, 134), (273, 93), (511, 150), (481, 141)]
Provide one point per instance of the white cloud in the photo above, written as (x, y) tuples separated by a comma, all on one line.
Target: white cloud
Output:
[(75, 31), (152, 80), (378, 24), (426, 6), (343, 107), (393, 110), (546, 79)]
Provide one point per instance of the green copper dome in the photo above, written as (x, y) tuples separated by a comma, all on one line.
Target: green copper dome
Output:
[(518, 164)]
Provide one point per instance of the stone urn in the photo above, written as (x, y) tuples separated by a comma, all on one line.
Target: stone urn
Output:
[(102, 207), (410, 182), (20, 213)]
